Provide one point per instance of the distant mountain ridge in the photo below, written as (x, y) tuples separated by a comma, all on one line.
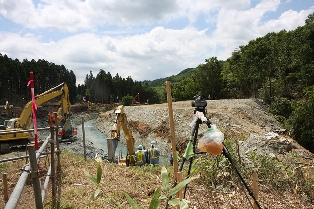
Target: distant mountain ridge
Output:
[(174, 78)]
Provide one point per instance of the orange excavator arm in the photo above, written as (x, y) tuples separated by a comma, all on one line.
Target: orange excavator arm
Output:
[(136, 99)]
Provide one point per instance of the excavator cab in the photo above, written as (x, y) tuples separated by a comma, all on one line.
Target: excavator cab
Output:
[(91, 106), (66, 132), (11, 124)]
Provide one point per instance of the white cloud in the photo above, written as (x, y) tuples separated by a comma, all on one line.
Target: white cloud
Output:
[(17, 46), (135, 38), (156, 50), (74, 15), (193, 8), (236, 27), (287, 20)]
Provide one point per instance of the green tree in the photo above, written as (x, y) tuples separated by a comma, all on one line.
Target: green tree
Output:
[(302, 121), (208, 78), (127, 100), (184, 89)]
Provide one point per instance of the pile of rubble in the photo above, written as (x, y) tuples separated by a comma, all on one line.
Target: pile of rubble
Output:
[(243, 120)]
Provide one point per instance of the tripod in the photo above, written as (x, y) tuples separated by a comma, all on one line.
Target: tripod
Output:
[(188, 155)]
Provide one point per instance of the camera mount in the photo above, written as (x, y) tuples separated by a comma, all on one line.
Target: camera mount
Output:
[(199, 103)]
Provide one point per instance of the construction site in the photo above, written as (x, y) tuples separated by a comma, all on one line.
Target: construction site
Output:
[(244, 123), (157, 104)]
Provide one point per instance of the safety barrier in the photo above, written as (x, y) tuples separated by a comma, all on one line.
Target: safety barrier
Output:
[(31, 171)]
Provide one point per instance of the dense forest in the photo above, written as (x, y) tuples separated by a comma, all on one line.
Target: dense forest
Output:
[(107, 89), (277, 68), (15, 76)]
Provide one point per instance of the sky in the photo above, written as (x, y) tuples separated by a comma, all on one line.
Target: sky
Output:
[(143, 39)]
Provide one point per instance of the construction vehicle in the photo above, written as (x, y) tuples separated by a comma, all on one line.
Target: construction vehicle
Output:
[(121, 121), (12, 130), (91, 106), (136, 99), (52, 103)]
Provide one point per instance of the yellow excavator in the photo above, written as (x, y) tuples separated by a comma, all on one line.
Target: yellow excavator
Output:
[(121, 121), (91, 106), (8, 132)]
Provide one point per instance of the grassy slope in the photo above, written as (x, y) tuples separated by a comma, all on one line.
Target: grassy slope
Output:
[(140, 183)]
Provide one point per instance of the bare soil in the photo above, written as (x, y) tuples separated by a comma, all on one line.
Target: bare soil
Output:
[(237, 119)]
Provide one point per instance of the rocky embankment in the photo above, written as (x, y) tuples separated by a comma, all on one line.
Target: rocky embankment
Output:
[(243, 120)]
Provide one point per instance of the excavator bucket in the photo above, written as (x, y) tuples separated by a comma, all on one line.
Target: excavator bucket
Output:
[(112, 144)]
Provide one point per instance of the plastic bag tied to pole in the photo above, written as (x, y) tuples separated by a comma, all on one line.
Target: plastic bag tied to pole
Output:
[(198, 115), (211, 142)]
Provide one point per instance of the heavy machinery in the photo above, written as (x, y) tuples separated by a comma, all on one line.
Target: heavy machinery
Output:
[(11, 135), (136, 99), (52, 103), (121, 121), (91, 106)]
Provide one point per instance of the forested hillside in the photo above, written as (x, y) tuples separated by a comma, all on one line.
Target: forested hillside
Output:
[(103, 88), (278, 65)]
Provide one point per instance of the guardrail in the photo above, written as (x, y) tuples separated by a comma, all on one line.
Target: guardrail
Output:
[(31, 170)]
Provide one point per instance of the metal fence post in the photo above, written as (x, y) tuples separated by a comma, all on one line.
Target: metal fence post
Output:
[(59, 171), (34, 176), (84, 144), (5, 187), (53, 171)]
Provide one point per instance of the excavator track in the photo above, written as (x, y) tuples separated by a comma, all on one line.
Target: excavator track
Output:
[(5, 148)]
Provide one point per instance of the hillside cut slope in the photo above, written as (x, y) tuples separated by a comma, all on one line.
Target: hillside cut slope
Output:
[(239, 119)]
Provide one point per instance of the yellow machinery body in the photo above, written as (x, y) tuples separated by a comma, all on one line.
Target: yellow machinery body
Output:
[(12, 132), (121, 121)]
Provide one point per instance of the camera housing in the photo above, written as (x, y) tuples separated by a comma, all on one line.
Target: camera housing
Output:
[(199, 102)]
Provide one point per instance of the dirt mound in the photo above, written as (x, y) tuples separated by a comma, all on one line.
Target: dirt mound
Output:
[(142, 128), (235, 118)]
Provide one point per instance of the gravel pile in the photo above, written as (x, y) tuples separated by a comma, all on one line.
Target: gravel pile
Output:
[(235, 118)]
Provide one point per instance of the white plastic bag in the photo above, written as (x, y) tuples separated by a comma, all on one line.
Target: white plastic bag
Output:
[(212, 140), (198, 115)]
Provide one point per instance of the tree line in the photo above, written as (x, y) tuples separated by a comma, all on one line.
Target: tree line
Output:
[(278, 65), (15, 76), (105, 88)]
